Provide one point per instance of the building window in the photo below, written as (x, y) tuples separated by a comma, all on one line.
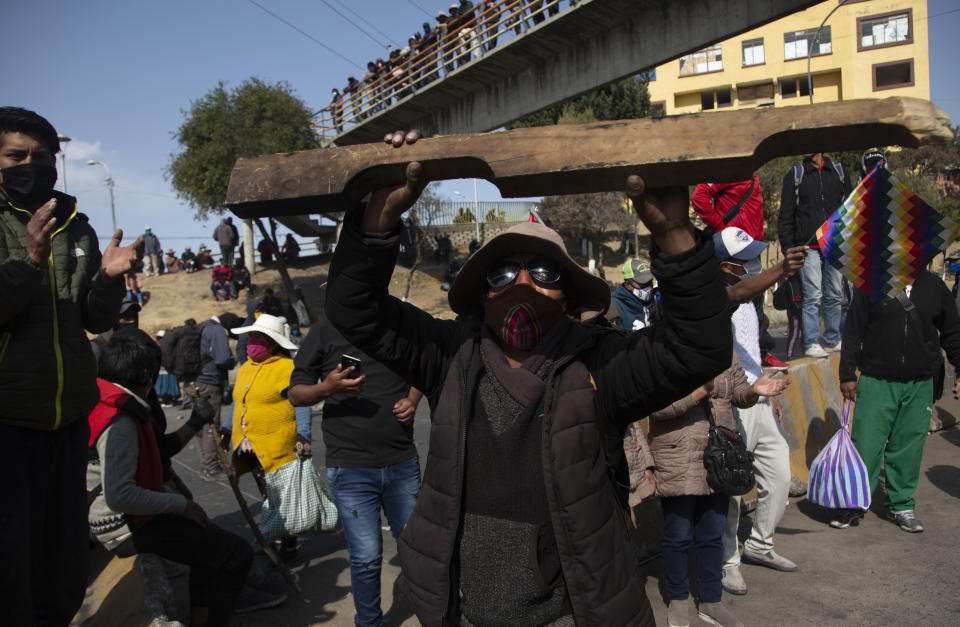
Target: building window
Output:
[(755, 94), (887, 29), (716, 98), (892, 75), (658, 109), (797, 45), (702, 62), (793, 86), (753, 52)]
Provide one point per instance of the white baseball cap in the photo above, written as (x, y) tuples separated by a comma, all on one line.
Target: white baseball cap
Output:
[(734, 243)]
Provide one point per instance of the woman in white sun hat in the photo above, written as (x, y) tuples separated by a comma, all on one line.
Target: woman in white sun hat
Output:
[(264, 426)]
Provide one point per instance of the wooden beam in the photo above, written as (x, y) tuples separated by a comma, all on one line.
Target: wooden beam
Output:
[(579, 158)]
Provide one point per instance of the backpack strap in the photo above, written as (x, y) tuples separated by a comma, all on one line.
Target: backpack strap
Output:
[(839, 169), (797, 178), (734, 210)]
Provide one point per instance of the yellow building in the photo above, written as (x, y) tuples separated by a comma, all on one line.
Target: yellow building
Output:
[(866, 49)]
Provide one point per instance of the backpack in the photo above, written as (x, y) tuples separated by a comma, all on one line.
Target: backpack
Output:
[(798, 177), (180, 351)]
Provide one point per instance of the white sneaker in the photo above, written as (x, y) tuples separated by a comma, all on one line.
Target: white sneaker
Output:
[(815, 350), (833, 349)]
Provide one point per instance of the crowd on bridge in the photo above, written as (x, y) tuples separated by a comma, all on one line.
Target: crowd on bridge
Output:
[(462, 33), (536, 394)]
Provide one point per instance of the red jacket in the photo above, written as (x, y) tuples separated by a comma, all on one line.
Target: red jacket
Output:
[(712, 200)]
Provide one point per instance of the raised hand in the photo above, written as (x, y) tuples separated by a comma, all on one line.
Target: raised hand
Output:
[(39, 227), (793, 260), (387, 204), (665, 212), (117, 261)]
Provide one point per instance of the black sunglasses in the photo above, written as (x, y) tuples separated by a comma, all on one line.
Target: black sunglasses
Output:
[(541, 269)]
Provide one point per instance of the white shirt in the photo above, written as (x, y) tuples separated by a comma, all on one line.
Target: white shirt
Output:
[(746, 340)]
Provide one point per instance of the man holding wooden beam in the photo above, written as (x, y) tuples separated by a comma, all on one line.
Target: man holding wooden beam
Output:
[(518, 521)]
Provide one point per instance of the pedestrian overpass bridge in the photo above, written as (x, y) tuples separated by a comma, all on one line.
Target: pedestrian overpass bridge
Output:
[(505, 70)]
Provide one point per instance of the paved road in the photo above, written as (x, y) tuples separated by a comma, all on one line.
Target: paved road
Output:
[(874, 574)]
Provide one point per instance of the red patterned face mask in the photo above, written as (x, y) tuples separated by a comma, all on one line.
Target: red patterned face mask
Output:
[(521, 316)]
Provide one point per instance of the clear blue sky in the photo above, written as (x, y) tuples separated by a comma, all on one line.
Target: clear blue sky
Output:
[(114, 76)]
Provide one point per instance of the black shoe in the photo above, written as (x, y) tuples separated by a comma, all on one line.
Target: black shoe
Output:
[(846, 518)]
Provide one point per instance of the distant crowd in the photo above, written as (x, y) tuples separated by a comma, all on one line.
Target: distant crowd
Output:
[(464, 32)]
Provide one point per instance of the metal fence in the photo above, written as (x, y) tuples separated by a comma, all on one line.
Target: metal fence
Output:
[(465, 212)]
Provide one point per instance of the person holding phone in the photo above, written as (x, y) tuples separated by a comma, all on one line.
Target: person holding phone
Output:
[(372, 463)]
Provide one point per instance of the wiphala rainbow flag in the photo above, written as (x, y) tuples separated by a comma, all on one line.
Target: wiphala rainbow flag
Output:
[(883, 235)]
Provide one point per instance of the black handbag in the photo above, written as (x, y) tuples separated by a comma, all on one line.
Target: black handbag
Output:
[(728, 462)]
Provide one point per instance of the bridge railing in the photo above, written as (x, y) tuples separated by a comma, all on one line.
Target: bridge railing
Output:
[(466, 212), (477, 32)]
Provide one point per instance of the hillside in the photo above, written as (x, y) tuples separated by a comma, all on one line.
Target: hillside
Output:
[(175, 297), (172, 298)]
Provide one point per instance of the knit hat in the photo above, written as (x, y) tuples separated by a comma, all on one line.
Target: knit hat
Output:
[(637, 270), (585, 290)]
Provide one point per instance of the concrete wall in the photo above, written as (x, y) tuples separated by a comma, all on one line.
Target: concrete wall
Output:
[(598, 42)]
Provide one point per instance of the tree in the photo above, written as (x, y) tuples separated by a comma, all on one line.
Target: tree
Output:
[(623, 100), (253, 119), (593, 216), (422, 214)]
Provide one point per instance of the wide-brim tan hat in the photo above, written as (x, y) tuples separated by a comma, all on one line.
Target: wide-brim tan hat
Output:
[(272, 327), (584, 290)]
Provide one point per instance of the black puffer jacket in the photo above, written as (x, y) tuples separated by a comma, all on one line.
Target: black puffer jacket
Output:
[(622, 376), (47, 368), (820, 193)]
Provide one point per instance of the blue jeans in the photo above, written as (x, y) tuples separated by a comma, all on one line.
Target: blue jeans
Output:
[(698, 521), (359, 494), (821, 286)]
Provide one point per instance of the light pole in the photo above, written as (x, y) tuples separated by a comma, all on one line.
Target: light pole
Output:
[(476, 207), (63, 159), (113, 211)]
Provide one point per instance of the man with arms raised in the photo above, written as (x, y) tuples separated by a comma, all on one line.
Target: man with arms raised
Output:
[(518, 521)]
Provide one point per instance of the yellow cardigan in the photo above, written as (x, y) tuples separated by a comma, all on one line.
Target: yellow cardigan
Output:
[(261, 414)]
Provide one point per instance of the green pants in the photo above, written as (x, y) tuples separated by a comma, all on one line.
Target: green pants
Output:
[(890, 423)]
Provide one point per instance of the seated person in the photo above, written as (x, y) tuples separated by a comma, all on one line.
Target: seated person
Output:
[(271, 304), (139, 504), (222, 285), (241, 277), (291, 249), (204, 258), (172, 263), (189, 259), (265, 250)]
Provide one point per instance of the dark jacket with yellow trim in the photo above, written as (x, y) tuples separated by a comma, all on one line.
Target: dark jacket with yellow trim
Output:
[(47, 369)]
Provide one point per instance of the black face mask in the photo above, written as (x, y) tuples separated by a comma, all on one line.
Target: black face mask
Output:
[(29, 184)]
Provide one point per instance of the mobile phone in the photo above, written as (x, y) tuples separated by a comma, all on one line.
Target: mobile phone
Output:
[(346, 361)]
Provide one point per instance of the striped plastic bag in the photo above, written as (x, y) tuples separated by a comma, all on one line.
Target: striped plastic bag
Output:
[(298, 502), (838, 476)]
